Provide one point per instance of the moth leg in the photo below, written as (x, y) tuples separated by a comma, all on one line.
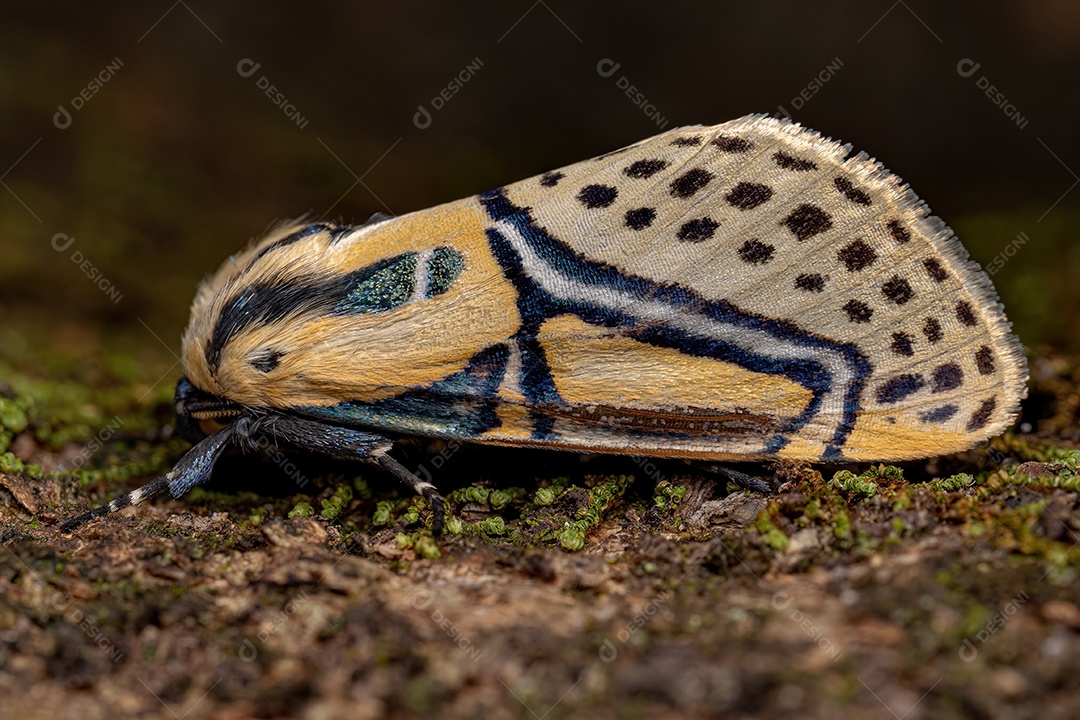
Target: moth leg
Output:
[(345, 444), (420, 487), (747, 482), (194, 467)]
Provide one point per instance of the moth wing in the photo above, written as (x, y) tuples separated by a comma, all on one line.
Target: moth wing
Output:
[(760, 250)]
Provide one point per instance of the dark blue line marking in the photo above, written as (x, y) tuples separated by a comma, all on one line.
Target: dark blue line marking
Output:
[(464, 403), (536, 306)]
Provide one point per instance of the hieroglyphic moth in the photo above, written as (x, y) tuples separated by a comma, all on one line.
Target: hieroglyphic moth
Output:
[(746, 291)]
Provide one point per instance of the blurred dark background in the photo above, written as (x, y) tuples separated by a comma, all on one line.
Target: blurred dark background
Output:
[(139, 147)]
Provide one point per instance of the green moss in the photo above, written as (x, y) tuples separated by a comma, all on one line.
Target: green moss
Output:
[(773, 536), (668, 496), (14, 415), (302, 509), (493, 525), (361, 488), (426, 547), (544, 496), (572, 537), (382, 512), (841, 525), (336, 503), (473, 493), (960, 481), (868, 483), (499, 499)]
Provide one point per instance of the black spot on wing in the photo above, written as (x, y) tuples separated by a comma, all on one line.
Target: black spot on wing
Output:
[(857, 255), (597, 196), (939, 415), (899, 388), (898, 290), (932, 329), (756, 252), (810, 282), (644, 168), (965, 314), (640, 218), (899, 233), (806, 221), (687, 141), (690, 182), (984, 360), (981, 417), (935, 270), (852, 193), (732, 144), (902, 344), (857, 311), (747, 196), (789, 162), (947, 377), (551, 179), (697, 230)]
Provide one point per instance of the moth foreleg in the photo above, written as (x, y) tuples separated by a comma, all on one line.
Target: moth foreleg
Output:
[(421, 487), (747, 482), (194, 467)]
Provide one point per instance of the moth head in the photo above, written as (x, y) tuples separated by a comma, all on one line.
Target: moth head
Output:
[(199, 413), (306, 308)]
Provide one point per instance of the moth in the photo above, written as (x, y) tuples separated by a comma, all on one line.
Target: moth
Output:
[(747, 291)]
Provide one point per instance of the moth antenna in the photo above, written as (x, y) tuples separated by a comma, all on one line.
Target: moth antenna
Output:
[(136, 496)]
